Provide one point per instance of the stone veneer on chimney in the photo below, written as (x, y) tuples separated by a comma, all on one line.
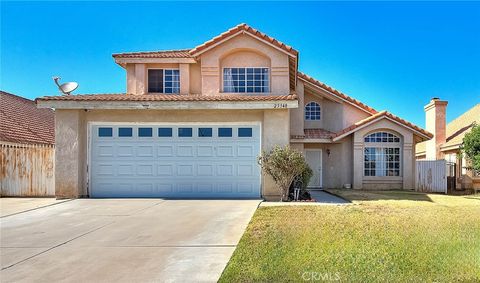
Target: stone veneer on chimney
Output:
[(435, 117)]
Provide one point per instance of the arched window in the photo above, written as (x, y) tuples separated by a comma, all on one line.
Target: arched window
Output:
[(382, 154), (382, 137), (312, 111)]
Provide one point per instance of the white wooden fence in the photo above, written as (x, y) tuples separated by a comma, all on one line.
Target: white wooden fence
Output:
[(431, 176), (27, 170)]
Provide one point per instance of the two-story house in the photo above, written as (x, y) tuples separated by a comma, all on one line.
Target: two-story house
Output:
[(192, 123)]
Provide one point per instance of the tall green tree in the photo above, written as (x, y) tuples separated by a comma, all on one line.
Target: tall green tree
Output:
[(471, 147)]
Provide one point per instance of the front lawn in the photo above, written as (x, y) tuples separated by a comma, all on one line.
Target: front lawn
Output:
[(384, 236)]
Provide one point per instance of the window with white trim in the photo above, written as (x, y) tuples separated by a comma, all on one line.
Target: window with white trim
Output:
[(382, 155), (164, 80), (248, 80), (312, 111)]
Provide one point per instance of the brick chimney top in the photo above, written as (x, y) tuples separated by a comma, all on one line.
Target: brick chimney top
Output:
[(435, 120)]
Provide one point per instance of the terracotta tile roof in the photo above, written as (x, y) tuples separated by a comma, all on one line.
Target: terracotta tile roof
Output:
[(456, 129), (165, 97), (246, 28), (181, 53), (384, 113), (22, 122), (314, 134), (336, 92)]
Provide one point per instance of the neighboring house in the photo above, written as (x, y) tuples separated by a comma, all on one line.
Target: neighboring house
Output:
[(447, 141), (193, 122), (27, 140)]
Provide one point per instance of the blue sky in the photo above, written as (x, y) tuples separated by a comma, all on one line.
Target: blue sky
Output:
[(393, 56)]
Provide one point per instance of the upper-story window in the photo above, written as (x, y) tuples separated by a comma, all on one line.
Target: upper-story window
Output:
[(164, 80), (249, 80), (312, 111)]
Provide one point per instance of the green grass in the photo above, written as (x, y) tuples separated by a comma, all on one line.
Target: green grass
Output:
[(383, 237)]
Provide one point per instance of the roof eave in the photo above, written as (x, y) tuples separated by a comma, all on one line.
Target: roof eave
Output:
[(423, 136), (195, 52), (338, 97), (166, 105)]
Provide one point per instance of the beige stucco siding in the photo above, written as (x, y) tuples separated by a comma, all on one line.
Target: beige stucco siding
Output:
[(337, 167), (406, 180), (297, 122), (308, 97), (72, 126), (195, 79), (70, 153)]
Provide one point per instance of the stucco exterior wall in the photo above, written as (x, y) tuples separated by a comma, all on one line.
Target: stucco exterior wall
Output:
[(70, 153), (297, 121), (407, 178), (71, 138), (195, 79), (352, 114), (308, 97), (337, 167)]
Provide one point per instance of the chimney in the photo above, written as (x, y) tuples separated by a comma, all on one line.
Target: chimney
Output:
[(435, 117)]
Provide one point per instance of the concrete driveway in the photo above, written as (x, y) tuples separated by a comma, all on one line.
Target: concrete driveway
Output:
[(127, 240)]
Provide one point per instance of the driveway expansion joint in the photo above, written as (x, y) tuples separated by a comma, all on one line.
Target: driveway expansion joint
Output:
[(56, 246)]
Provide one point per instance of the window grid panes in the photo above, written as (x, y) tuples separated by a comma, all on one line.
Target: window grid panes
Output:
[(164, 80), (172, 81), (382, 137), (382, 161), (312, 111), (249, 80)]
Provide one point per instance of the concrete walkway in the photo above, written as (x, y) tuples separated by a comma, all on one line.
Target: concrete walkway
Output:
[(321, 198), (326, 198), (12, 205), (123, 240)]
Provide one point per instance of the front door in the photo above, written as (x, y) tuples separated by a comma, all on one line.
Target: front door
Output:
[(314, 160)]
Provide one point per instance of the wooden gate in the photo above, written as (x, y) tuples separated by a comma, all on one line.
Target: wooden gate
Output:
[(431, 176), (27, 170)]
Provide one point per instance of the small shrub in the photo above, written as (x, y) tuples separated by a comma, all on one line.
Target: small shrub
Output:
[(283, 164)]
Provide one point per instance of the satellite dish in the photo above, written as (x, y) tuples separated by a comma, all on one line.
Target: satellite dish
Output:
[(65, 88)]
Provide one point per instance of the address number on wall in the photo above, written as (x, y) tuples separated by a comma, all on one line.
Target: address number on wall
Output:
[(280, 105)]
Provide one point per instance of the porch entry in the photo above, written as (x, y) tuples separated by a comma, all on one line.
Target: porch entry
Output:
[(314, 160)]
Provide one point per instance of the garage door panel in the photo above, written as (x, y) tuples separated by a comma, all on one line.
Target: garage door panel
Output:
[(145, 170), (165, 151), (205, 170), (225, 151), (185, 170), (173, 166), (144, 151), (125, 151), (185, 151), (126, 170), (165, 170), (205, 151)]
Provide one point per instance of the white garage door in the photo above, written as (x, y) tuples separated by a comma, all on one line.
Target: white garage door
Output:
[(178, 161)]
